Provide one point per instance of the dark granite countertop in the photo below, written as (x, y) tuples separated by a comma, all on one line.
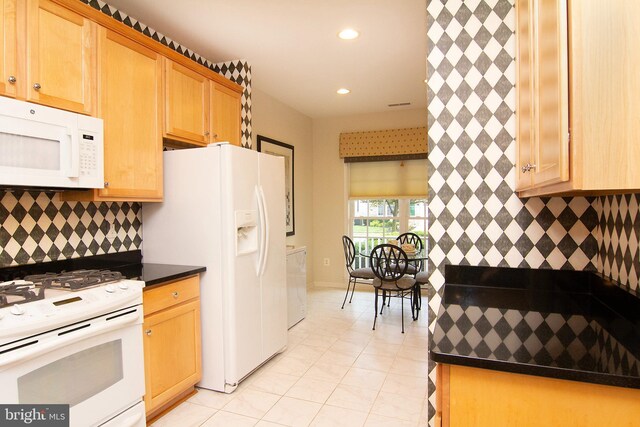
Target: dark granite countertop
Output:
[(560, 324), (154, 274), (128, 263)]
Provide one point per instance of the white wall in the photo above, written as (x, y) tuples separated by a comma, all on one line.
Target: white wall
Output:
[(329, 195), (273, 119)]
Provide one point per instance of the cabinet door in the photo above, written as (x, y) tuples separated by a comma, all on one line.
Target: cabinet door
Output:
[(171, 352), (61, 57), (187, 104), (551, 145), (524, 94), (225, 113), (130, 103), (9, 73)]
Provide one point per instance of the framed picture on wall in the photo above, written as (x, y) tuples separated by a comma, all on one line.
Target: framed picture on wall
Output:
[(277, 148)]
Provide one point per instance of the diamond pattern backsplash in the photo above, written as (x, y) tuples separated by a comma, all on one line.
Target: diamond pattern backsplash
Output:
[(620, 233), (38, 227), (236, 71)]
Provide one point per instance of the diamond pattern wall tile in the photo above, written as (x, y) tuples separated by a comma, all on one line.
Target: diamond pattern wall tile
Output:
[(619, 255), (30, 234)]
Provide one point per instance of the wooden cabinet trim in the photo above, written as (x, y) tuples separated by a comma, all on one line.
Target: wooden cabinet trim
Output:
[(113, 25)]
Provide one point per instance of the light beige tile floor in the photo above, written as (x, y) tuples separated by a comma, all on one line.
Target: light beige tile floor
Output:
[(335, 371)]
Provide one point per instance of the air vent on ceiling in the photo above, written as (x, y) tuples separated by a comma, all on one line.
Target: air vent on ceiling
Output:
[(399, 104)]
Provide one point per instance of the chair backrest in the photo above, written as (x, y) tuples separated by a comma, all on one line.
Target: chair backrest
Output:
[(388, 262), (349, 251), (410, 238)]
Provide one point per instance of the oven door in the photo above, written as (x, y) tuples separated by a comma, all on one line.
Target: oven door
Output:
[(95, 366)]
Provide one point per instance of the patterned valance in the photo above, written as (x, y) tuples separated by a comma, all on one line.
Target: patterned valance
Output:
[(389, 144)]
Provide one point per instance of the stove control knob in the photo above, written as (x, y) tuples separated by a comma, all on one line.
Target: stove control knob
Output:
[(110, 288), (123, 286), (17, 310)]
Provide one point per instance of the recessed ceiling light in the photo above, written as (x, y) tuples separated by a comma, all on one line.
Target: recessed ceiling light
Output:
[(348, 34), (343, 91)]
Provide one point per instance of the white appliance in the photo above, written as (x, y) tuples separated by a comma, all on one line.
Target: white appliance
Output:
[(296, 285), (45, 147), (82, 348), (224, 208)]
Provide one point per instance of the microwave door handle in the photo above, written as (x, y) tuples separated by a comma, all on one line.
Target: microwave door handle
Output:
[(74, 154)]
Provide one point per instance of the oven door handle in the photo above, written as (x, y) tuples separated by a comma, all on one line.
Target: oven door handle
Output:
[(21, 354)]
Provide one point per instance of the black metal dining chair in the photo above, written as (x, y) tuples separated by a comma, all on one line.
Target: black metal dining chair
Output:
[(389, 265), (356, 275), (412, 239)]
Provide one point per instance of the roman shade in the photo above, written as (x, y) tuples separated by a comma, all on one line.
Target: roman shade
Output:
[(391, 179), (384, 145)]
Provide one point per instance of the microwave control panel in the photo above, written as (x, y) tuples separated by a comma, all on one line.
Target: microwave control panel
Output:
[(88, 154)]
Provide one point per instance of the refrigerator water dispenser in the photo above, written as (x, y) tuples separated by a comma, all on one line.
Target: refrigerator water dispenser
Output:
[(246, 232)]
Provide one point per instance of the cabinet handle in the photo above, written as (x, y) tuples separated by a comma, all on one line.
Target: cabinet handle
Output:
[(12, 79), (148, 332), (174, 294), (206, 133), (37, 86), (106, 184), (526, 168)]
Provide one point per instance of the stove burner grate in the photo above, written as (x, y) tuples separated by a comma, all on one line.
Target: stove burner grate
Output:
[(24, 291), (75, 280)]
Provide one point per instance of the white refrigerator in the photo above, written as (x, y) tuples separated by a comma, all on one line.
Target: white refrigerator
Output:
[(224, 208)]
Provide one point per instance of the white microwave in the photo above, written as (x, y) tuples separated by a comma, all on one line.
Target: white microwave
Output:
[(43, 147)]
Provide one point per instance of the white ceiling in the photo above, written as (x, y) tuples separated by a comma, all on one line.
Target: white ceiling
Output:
[(294, 51)]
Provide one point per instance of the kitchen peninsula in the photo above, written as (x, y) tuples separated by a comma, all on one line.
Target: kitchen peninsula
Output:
[(509, 342)]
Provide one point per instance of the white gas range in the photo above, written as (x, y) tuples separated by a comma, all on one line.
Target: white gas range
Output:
[(74, 339)]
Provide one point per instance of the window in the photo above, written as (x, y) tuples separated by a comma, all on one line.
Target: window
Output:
[(375, 221)]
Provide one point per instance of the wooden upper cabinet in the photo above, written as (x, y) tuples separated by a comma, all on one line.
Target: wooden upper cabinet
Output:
[(577, 119), (187, 104), (225, 114), (542, 91), (524, 94), (131, 105), (61, 57), (131, 102), (551, 92), (10, 68)]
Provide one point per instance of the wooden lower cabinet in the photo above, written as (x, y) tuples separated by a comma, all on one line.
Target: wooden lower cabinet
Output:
[(480, 397), (172, 343)]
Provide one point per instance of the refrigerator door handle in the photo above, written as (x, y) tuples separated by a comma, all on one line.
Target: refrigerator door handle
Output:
[(263, 227), (265, 253)]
